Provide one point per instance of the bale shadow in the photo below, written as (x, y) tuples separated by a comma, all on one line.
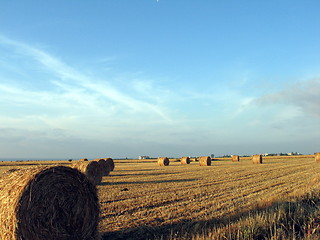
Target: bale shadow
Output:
[(140, 170), (149, 182), (141, 174), (220, 160), (135, 161)]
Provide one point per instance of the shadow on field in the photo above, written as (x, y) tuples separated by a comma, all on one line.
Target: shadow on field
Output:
[(294, 221), (148, 182), (135, 161), (140, 170), (180, 230), (142, 174)]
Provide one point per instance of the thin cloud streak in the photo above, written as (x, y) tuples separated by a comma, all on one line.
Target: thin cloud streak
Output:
[(66, 74)]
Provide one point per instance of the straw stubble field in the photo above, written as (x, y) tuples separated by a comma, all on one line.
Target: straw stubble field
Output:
[(141, 200)]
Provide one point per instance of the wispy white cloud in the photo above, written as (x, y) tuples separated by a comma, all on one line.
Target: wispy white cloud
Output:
[(71, 102), (76, 79)]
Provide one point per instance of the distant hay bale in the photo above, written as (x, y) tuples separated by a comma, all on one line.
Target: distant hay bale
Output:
[(317, 156), (91, 169), (235, 158), (111, 163), (257, 159), (48, 203), (163, 161), (83, 159), (185, 160), (104, 166), (205, 161)]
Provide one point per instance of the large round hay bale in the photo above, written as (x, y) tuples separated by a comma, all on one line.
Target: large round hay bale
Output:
[(52, 203), (104, 166), (235, 158), (317, 156), (205, 161), (111, 163), (163, 161), (257, 159), (91, 169), (185, 160)]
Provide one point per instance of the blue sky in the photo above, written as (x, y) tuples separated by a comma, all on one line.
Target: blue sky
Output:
[(161, 78)]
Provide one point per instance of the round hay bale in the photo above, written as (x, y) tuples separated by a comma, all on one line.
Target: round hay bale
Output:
[(205, 161), (83, 159), (257, 159), (235, 158), (48, 203), (163, 161), (185, 160), (91, 169), (317, 156), (105, 167), (111, 163)]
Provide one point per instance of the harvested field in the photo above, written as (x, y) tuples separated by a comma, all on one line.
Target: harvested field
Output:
[(161, 199), (141, 200)]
